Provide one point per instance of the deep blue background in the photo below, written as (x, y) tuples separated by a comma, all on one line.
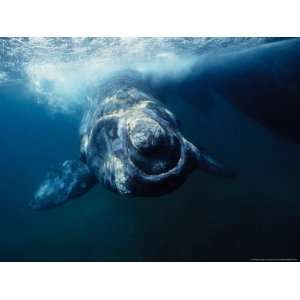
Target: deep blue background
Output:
[(256, 215)]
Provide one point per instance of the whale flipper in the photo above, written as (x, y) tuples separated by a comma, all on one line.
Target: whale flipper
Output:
[(71, 180), (207, 163)]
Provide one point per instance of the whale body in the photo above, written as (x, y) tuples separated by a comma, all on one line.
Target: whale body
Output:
[(130, 143)]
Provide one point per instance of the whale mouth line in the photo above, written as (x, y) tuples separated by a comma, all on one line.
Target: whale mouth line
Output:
[(125, 167), (176, 168)]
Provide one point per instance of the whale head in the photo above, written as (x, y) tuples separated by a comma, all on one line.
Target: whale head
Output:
[(141, 152)]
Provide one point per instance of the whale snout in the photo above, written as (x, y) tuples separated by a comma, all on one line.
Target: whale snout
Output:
[(153, 148), (146, 135)]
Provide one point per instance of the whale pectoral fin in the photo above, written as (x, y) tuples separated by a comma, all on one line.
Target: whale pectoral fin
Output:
[(71, 180), (208, 164)]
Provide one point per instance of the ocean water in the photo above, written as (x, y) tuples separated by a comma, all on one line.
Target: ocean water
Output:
[(44, 85)]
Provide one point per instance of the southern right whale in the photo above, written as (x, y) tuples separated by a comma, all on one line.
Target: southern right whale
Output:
[(131, 143)]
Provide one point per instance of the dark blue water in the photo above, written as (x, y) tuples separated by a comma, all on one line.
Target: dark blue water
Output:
[(256, 215)]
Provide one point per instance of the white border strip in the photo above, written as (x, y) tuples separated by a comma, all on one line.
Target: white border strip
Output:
[(149, 281), (149, 18)]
